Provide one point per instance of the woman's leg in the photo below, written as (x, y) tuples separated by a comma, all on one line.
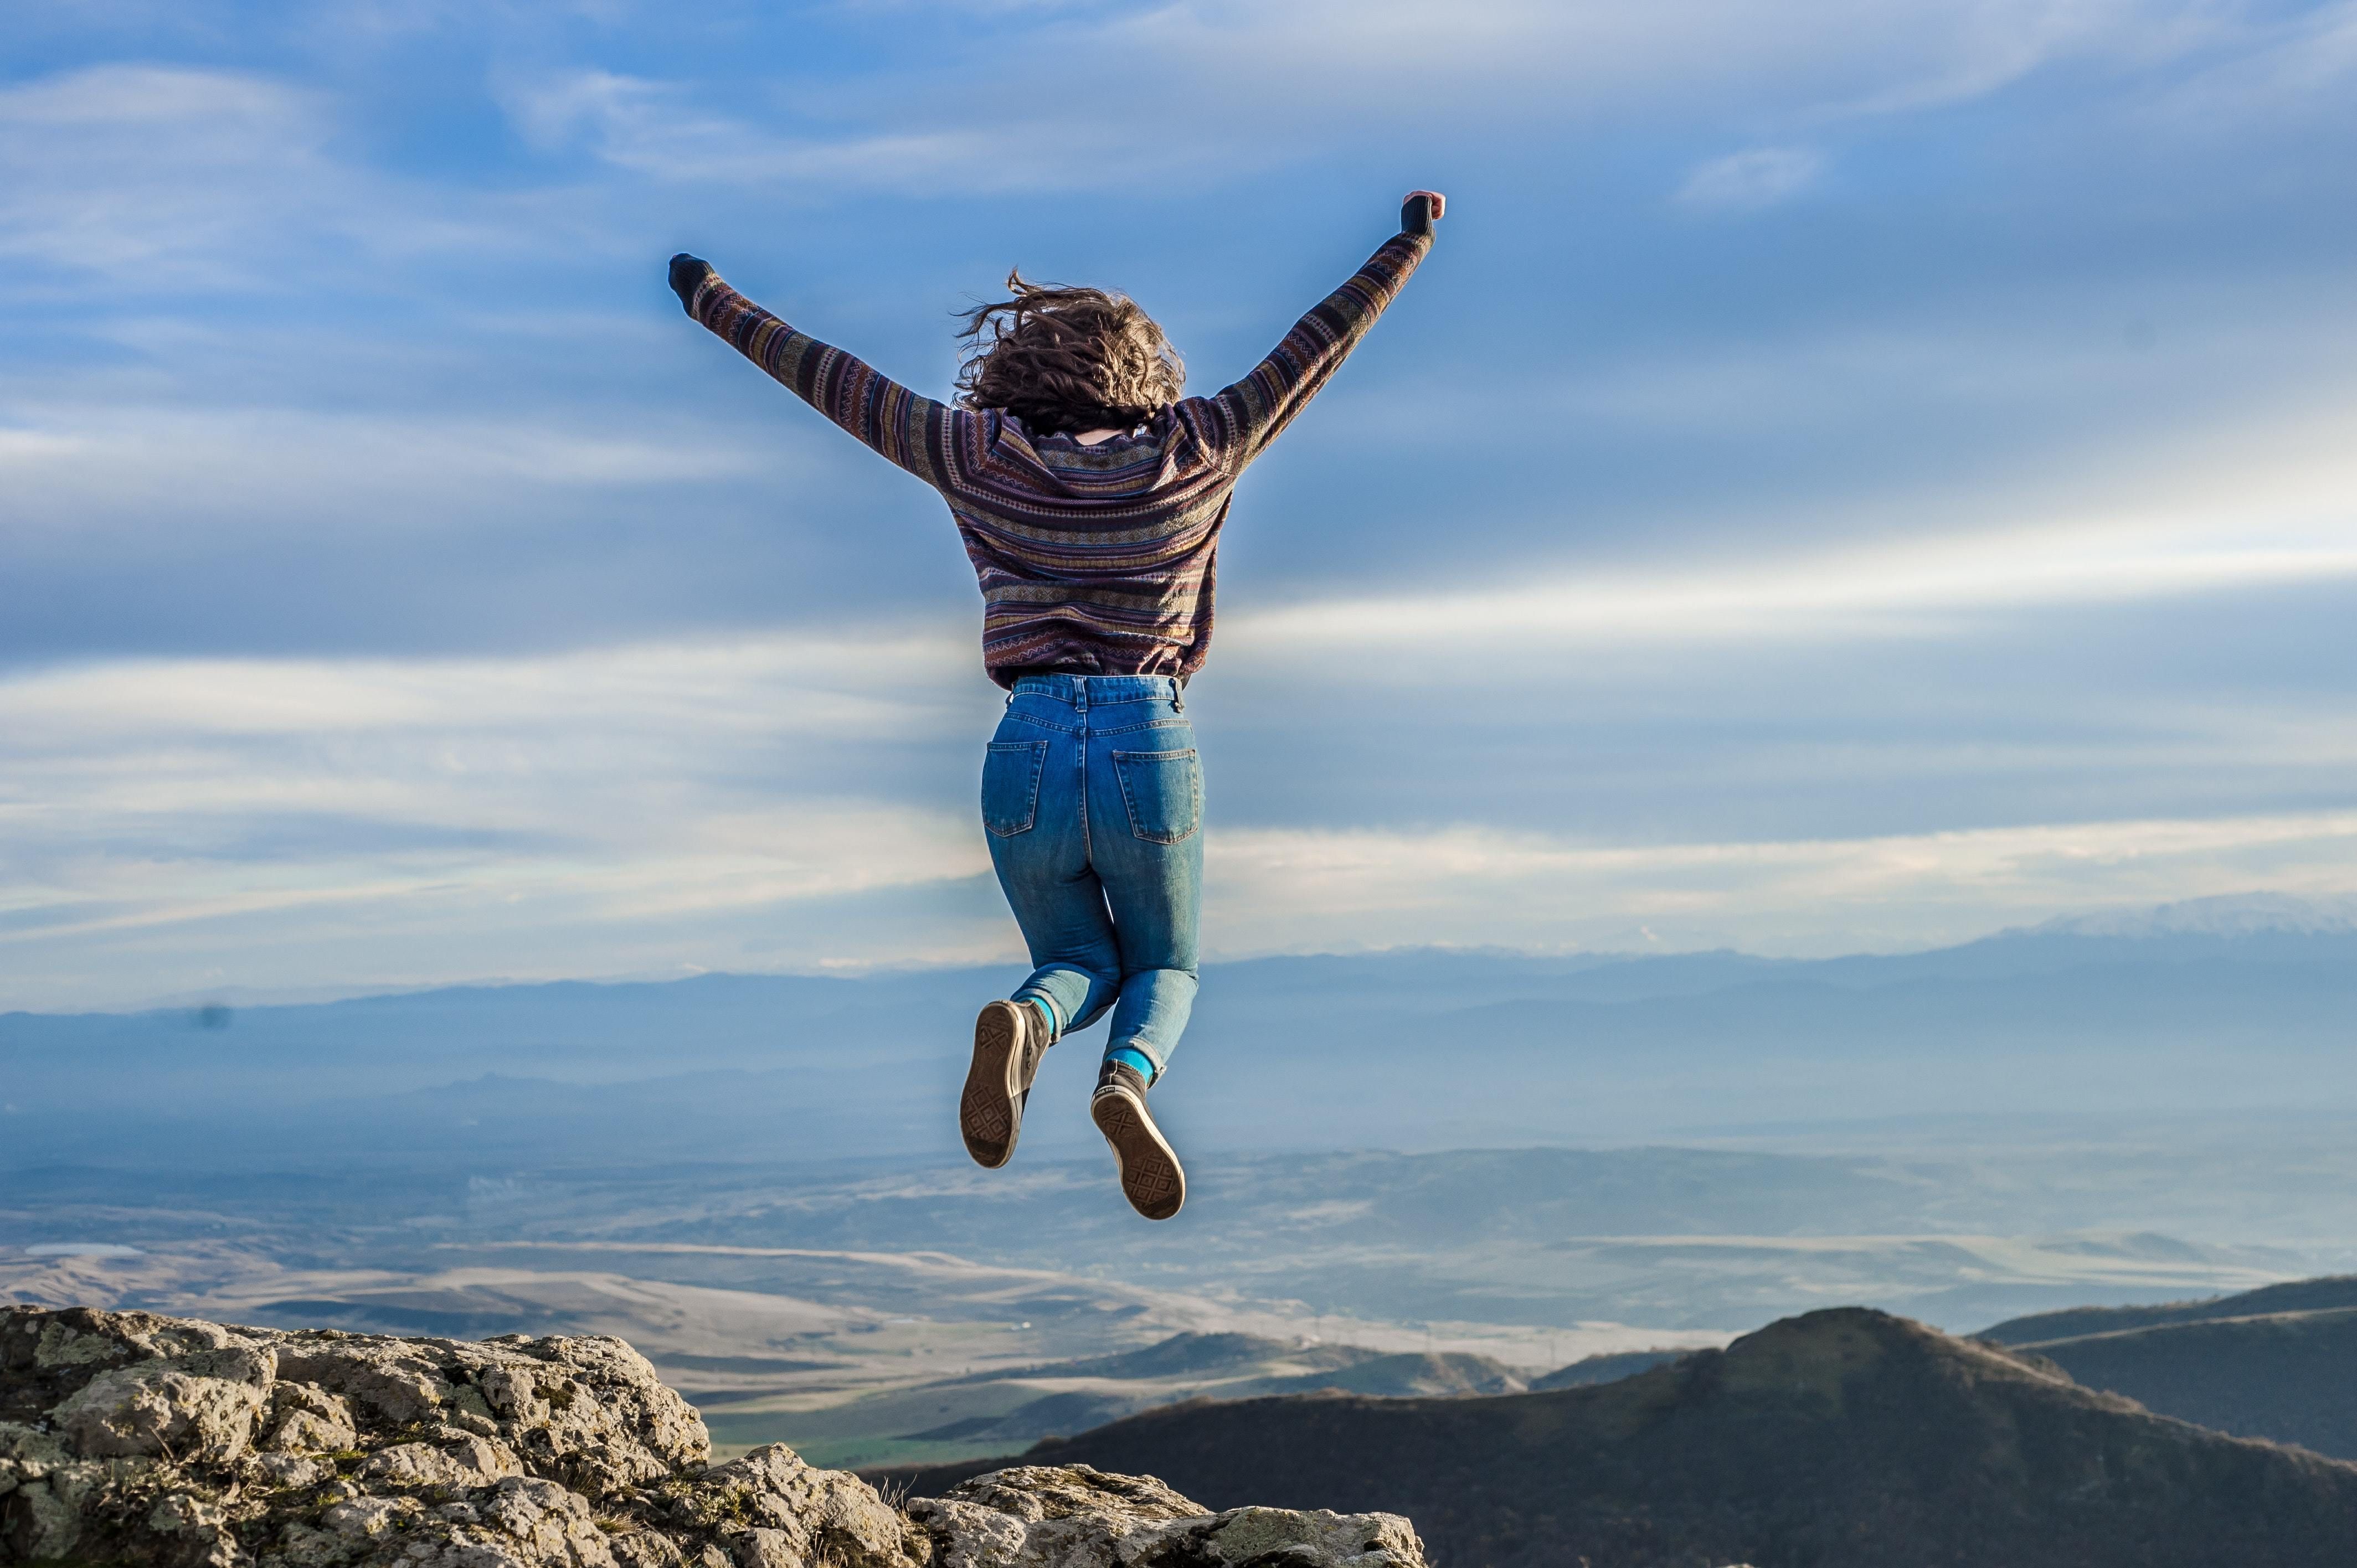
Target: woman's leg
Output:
[(1147, 842), (1075, 956), (1031, 806), (1146, 811)]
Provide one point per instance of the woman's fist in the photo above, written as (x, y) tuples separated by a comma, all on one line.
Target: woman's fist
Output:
[(688, 275), (1421, 211)]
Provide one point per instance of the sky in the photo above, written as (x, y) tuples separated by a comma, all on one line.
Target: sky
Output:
[(1850, 478)]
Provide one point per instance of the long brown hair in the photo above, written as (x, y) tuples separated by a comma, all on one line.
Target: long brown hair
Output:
[(1067, 359)]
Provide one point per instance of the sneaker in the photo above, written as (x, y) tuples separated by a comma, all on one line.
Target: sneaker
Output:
[(1150, 1174), (1009, 1041)]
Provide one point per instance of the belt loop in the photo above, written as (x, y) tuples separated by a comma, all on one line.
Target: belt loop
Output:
[(1178, 696), (1081, 692)]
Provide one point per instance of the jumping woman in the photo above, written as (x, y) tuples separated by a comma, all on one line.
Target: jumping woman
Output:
[(1090, 497)]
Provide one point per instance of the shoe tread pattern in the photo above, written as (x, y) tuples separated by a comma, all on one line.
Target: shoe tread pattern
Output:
[(989, 1110), (1150, 1174)]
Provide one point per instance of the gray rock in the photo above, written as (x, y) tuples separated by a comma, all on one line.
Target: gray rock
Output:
[(201, 1408), (288, 1470), (132, 1437), (307, 1419), (470, 1461), (1070, 1515), (806, 1516)]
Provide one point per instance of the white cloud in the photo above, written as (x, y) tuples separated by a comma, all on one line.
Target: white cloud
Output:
[(76, 469), (1579, 58), (2255, 509), (663, 131), (176, 177), (1089, 96), (1297, 891), (2274, 68), (874, 683), (170, 823), (1748, 181), (152, 180), (1910, 590), (499, 815)]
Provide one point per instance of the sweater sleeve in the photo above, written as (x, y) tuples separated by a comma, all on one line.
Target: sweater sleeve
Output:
[(1248, 416), (914, 431)]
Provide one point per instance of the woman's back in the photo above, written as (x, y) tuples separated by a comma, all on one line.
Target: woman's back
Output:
[(1095, 559)]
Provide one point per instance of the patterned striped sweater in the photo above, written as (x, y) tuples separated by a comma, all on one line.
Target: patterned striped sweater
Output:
[(1098, 559)]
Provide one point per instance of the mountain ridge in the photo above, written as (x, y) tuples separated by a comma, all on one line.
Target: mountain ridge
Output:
[(2278, 1362), (1844, 1438), (2323, 1293), (2137, 1025), (2231, 917)]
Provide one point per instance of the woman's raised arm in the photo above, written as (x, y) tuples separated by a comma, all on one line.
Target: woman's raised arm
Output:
[(1253, 412), (913, 431)]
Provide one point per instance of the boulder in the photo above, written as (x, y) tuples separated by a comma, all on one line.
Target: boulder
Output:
[(132, 1437), (1036, 1516)]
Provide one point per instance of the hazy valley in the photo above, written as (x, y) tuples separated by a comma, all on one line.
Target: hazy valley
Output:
[(753, 1180)]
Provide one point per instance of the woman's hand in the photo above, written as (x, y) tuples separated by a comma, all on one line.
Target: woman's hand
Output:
[(688, 275), (1421, 211)]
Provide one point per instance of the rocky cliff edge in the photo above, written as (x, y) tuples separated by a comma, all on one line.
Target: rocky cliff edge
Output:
[(126, 1437)]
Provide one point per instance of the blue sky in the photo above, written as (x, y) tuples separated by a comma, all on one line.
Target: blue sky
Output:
[(1851, 476)]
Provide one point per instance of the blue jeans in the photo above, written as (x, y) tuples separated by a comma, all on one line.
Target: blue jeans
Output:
[(1093, 799)]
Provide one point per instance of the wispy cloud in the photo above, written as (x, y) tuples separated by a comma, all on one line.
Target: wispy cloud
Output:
[(2259, 521), (1748, 181), (1088, 96), (1590, 56), (87, 464), (1315, 891), (165, 811), (122, 182), (172, 176), (799, 802), (2288, 67), (664, 132)]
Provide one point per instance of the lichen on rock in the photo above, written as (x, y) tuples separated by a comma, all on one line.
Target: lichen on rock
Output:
[(131, 1437)]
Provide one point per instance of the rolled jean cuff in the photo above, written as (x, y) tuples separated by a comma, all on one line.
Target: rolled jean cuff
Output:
[(1046, 1005), (1159, 1058)]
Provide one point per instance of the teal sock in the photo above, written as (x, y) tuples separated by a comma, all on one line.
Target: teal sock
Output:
[(1047, 1011), (1133, 1059)]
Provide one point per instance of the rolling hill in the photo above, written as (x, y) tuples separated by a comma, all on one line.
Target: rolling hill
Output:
[(948, 1419), (2279, 1362), (2329, 1294), (1609, 1367)]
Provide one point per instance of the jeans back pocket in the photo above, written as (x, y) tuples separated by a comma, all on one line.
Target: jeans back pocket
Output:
[(1164, 792), (1010, 784)]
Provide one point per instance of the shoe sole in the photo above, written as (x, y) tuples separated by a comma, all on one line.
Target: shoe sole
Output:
[(1151, 1177), (990, 1111)]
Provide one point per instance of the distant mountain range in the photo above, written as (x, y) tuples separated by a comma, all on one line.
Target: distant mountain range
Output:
[(1414, 1137), (1842, 1439), (2220, 1003), (2248, 914)]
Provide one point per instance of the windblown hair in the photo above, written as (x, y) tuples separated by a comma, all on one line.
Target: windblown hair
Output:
[(1067, 358)]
